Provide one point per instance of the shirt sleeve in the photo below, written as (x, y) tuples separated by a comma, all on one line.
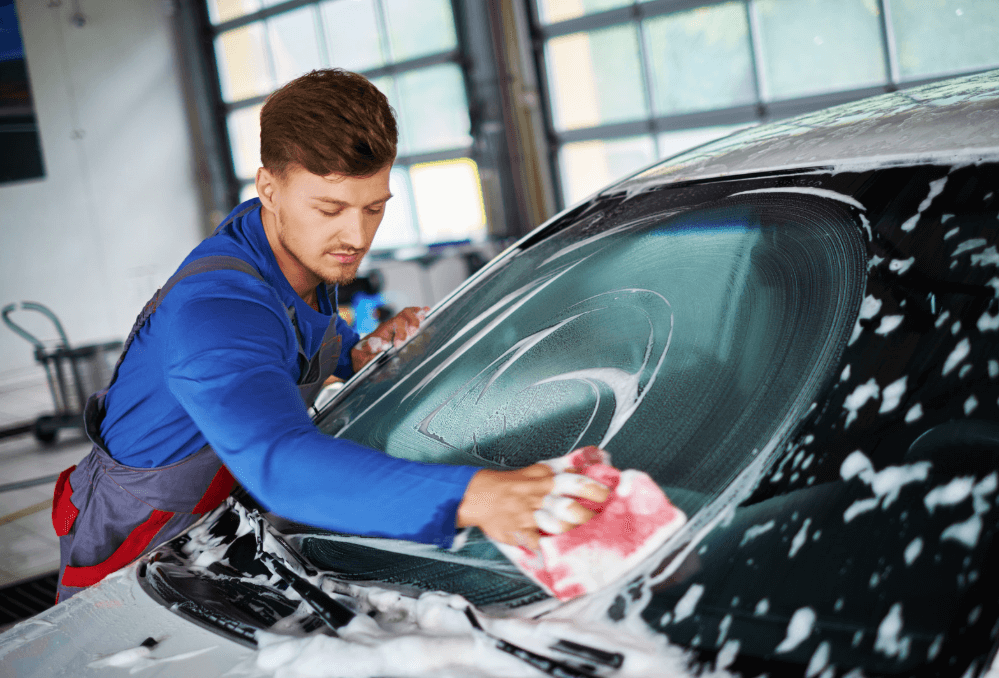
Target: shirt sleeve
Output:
[(227, 363)]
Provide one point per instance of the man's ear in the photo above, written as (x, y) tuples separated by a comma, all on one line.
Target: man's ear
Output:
[(267, 184)]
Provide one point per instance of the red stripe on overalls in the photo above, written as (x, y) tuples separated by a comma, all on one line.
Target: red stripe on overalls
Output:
[(138, 540), (63, 512)]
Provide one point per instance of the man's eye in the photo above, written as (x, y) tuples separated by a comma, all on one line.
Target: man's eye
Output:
[(376, 210), (329, 214)]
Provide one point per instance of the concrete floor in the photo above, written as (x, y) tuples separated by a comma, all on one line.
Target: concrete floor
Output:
[(28, 544)]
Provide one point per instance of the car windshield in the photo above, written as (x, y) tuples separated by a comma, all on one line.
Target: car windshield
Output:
[(684, 340)]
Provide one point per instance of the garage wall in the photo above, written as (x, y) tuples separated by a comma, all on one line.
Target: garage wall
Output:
[(119, 206)]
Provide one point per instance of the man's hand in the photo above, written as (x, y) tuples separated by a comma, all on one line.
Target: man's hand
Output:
[(393, 332), (503, 504)]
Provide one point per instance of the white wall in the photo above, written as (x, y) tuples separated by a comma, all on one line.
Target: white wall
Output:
[(119, 206)]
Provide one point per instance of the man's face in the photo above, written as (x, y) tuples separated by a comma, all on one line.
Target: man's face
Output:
[(321, 227)]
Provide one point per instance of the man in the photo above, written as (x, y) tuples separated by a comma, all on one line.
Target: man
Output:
[(221, 365)]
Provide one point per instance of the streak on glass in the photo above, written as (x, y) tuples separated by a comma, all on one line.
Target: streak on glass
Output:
[(815, 46), (588, 166), (595, 77), (941, 36), (244, 71), (416, 29), (434, 109), (353, 34), (294, 44), (700, 59)]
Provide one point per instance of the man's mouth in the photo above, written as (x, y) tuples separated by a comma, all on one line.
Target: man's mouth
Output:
[(345, 257)]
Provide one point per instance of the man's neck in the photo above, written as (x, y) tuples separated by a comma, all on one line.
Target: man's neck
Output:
[(302, 280)]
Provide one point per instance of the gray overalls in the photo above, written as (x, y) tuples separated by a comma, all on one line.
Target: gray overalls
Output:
[(107, 514)]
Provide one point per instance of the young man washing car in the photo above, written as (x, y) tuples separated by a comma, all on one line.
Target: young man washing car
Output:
[(221, 365)]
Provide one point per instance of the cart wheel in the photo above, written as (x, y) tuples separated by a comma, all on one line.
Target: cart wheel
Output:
[(45, 430)]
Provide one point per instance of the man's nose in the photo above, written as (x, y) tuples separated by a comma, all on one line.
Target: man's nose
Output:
[(352, 230)]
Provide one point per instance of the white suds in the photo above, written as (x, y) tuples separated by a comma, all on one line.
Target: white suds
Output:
[(936, 187), (966, 532), (799, 538), (762, 607), (755, 531), (942, 319), (968, 245), (914, 414), (954, 492), (819, 192), (888, 323), (845, 375), (727, 655), (988, 322), (819, 660), (970, 404), (959, 353), (913, 550), (886, 483), (952, 232), (798, 629), (892, 394), (988, 257), (888, 641), (993, 369), (900, 266), (685, 606), (859, 398)]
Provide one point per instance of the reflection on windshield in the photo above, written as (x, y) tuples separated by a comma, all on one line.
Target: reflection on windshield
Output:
[(678, 344)]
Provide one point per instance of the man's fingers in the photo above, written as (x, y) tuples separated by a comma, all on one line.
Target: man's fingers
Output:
[(578, 485)]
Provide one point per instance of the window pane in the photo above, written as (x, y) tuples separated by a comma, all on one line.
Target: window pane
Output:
[(701, 59), (397, 228), (674, 143), (244, 139), (942, 36), (449, 201), (814, 46), (596, 78), (588, 166), (419, 28), (433, 109), (242, 60), (247, 191), (552, 11), (223, 10), (352, 34), (294, 44)]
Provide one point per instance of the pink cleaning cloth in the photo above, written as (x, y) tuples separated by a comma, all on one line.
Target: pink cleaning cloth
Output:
[(636, 519)]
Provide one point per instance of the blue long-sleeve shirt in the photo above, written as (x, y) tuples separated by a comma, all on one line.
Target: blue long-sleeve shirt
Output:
[(217, 363)]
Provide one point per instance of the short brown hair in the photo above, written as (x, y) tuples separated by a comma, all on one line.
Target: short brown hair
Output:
[(328, 121)]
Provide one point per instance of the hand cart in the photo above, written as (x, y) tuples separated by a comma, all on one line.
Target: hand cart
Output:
[(72, 373)]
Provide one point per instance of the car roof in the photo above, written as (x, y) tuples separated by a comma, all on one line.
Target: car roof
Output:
[(949, 122)]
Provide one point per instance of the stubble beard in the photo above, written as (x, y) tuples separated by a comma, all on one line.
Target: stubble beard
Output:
[(344, 276)]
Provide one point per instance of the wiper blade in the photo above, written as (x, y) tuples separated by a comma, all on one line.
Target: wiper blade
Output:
[(552, 667), (334, 614)]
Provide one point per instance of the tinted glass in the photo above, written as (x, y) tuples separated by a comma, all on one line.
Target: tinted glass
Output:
[(943, 36), (639, 334), (700, 59), (813, 46), (352, 34), (596, 77)]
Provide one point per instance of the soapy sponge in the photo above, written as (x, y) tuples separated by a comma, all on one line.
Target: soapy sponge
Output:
[(633, 522)]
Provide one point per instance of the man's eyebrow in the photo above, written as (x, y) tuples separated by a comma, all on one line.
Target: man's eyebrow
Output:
[(341, 203)]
